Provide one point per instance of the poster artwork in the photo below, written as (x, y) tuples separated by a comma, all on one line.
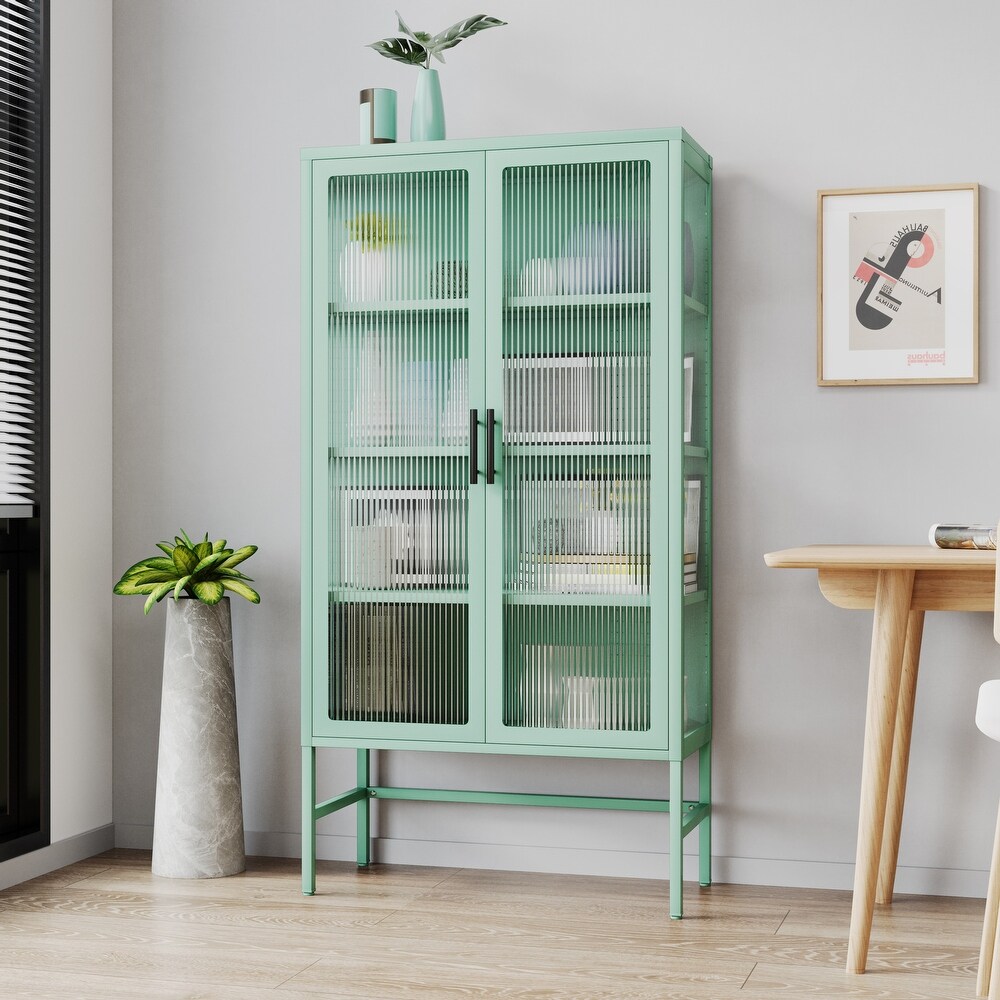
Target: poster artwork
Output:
[(897, 302)]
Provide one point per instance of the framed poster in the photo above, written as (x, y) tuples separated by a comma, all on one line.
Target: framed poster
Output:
[(898, 285)]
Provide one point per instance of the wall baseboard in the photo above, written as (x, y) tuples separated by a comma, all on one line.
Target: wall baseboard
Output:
[(568, 861), (58, 855)]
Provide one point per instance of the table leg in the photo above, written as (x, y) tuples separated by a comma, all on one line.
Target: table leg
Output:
[(994, 988), (892, 605), (900, 758), (985, 977)]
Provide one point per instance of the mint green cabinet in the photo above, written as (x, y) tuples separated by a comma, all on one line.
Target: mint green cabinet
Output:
[(507, 462)]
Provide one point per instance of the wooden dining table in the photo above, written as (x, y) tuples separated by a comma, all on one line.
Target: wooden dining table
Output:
[(901, 583)]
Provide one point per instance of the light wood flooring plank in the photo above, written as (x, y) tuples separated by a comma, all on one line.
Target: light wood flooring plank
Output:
[(952, 928), (603, 909), (313, 944), (381, 887), (68, 875), (489, 973), (909, 918), (792, 983), (290, 915), (570, 927), (151, 961), (811, 952), (21, 984)]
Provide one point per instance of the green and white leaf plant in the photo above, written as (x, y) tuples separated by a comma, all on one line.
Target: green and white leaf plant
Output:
[(417, 48), (373, 231), (366, 271), (203, 570)]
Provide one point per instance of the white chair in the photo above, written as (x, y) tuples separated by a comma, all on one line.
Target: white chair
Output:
[(988, 721)]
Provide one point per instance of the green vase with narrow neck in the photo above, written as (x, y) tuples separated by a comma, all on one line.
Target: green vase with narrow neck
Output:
[(427, 116)]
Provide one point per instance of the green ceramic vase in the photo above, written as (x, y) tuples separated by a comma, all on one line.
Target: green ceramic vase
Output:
[(427, 117)]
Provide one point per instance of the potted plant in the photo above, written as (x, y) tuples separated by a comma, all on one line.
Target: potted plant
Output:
[(364, 265), (416, 49), (198, 825)]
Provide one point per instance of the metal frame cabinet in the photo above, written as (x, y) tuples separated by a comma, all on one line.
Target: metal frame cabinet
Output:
[(507, 480)]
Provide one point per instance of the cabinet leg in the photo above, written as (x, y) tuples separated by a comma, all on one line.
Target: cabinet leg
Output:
[(705, 827), (676, 839), (364, 809), (308, 821)]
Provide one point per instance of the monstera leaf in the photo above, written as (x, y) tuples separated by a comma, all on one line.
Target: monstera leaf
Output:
[(416, 47), (450, 37), (404, 50)]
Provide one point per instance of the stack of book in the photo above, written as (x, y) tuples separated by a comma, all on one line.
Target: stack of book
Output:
[(690, 572), (584, 573), (692, 533)]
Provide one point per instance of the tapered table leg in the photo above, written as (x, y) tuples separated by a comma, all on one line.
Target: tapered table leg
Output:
[(984, 978), (993, 990), (900, 758), (892, 605)]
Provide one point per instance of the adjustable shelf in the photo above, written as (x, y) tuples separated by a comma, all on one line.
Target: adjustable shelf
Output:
[(575, 448), (398, 306), (602, 300), (398, 595), (400, 451), (579, 600)]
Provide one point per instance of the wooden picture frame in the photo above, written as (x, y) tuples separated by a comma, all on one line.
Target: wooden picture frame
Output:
[(897, 285)]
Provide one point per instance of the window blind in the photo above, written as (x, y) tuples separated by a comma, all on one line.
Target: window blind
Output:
[(21, 254), (24, 615)]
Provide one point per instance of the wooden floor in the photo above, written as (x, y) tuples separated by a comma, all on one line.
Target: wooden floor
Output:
[(106, 928)]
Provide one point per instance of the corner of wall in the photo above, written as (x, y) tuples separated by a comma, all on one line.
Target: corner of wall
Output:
[(80, 416)]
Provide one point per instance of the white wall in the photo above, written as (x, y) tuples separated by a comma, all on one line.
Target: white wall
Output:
[(210, 111), (80, 443)]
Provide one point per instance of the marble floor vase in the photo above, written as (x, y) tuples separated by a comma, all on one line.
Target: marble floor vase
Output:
[(198, 825)]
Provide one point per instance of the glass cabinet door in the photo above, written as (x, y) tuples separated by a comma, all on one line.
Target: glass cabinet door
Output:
[(399, 247), (576, 329)]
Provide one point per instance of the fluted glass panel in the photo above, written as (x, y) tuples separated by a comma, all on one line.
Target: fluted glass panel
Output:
[(399, 447), (576, 434), (576, 667), (400, 662)]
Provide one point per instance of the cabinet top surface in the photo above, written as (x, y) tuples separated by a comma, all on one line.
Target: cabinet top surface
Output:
[(504, 142), (880, 557)]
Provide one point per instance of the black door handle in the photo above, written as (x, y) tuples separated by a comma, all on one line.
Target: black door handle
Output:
[(490, 426), (473, 446)]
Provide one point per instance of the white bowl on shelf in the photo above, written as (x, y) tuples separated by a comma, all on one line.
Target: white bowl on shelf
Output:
[(586, 275), (538, 278), (600, 258)]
